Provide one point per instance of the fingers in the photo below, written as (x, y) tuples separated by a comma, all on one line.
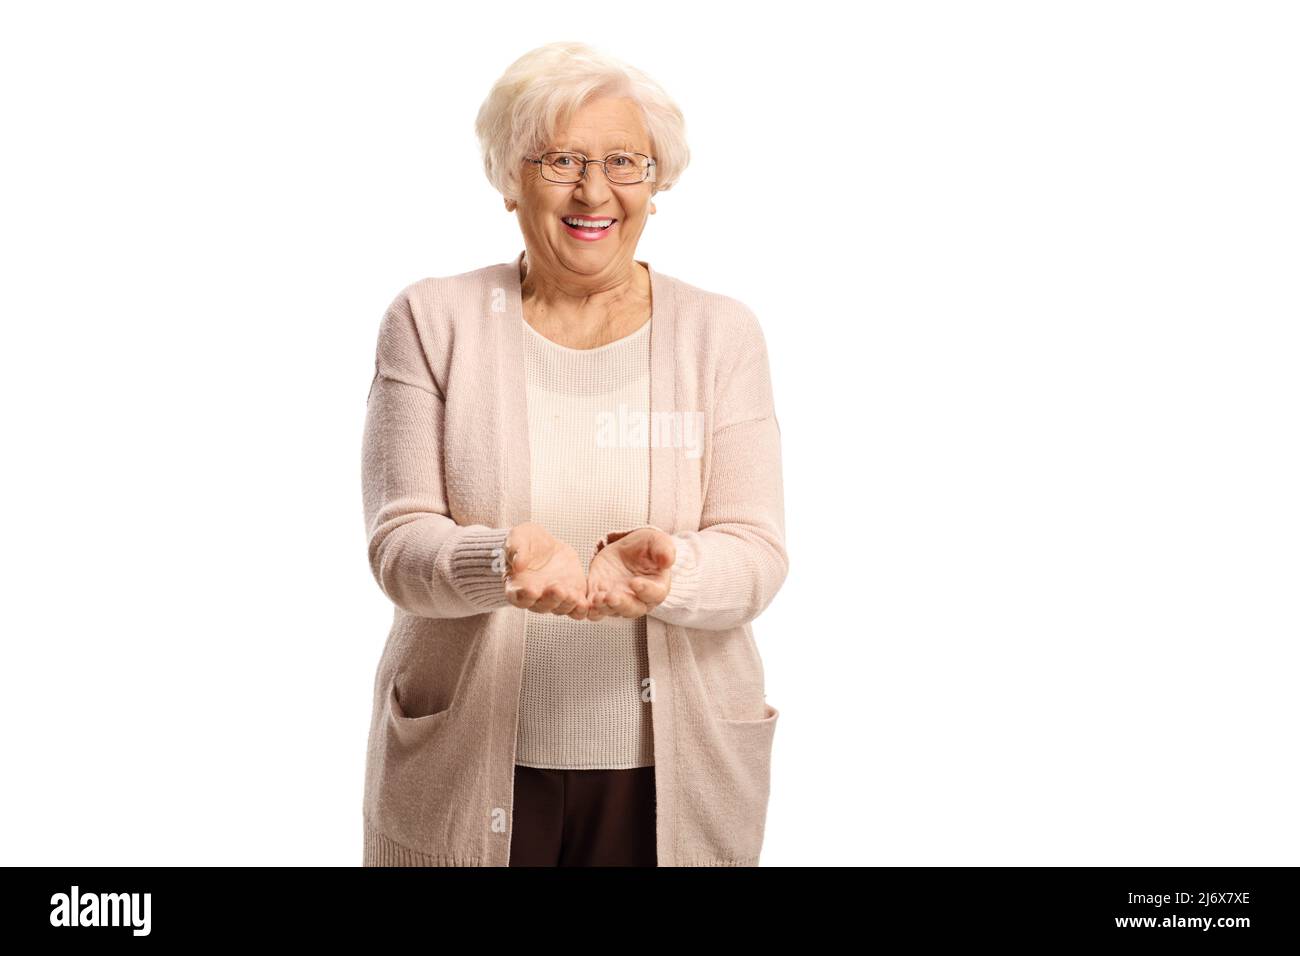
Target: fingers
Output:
[(551, 599), (517, 548), (647, 551), (662, 551), (649, 592), (574, 605), (629, 606), (617, 604), (522, 596), (552, 595), (601, 606), (557, 599), (596, 608), (652, 554), (565, 605), (603, 594)]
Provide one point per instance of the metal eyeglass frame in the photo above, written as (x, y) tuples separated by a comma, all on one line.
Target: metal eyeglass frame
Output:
[(649, 167)]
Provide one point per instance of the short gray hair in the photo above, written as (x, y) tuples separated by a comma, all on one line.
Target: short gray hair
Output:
[(542, 89)]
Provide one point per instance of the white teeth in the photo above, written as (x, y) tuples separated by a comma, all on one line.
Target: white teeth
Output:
[(588, 223)]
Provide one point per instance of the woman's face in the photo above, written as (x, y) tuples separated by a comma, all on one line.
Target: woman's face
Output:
[(597, 129)]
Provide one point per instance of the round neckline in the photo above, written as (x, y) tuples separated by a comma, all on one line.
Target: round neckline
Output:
[(519, 303), (641, 329)]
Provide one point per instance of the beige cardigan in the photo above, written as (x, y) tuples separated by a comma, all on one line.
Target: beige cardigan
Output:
[(446, 475)]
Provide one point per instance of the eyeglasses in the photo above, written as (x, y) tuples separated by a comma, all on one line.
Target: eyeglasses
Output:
[(621, 168)]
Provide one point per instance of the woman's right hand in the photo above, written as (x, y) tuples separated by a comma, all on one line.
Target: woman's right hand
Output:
[(544, 574)]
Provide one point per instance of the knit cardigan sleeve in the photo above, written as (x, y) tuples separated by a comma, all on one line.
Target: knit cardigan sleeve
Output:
[(424, 561), (727, 573)]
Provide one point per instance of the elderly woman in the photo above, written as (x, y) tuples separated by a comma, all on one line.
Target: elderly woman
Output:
[(573, 498)]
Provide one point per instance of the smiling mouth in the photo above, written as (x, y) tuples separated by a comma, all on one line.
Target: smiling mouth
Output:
[(577, 222)]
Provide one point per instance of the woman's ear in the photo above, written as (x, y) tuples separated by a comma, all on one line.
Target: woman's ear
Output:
[(510, 205)]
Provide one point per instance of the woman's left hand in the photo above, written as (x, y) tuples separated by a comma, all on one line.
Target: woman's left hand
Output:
[(629, 577)]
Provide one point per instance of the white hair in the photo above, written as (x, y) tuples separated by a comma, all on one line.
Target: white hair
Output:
[(541, 90)]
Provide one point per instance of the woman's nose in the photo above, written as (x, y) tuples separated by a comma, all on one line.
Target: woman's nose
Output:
[(593, 185)]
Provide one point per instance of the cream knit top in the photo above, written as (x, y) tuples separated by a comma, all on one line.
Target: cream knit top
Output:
[(582, 704)]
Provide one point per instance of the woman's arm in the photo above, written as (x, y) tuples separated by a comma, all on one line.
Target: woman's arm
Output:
[(423, 561), (726, 573)]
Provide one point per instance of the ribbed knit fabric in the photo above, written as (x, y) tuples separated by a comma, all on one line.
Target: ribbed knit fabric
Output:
[(583, 704)]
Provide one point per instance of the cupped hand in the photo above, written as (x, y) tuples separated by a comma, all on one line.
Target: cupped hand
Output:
[(544, 574), (629, 576)]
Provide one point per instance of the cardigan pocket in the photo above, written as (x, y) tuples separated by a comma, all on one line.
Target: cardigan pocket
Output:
[(734, 769), (421, 797), (410, 728), (753, 738)]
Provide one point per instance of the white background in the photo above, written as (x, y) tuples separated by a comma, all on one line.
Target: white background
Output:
[(1028, 277)]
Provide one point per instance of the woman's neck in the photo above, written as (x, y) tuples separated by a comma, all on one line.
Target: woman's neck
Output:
[(583, 316)]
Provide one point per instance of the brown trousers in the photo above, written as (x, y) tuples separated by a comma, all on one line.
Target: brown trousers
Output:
[(583, 817)]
